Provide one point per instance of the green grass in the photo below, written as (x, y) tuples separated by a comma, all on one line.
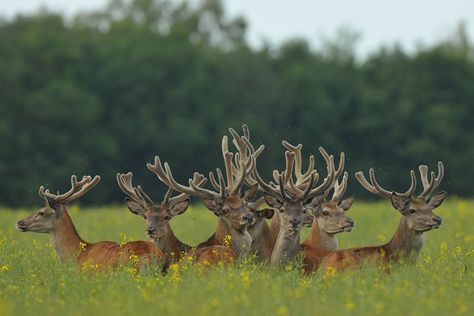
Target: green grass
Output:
[(32, 281)]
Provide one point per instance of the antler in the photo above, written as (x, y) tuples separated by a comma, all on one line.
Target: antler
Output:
[(285, 183), (245, 151), (375, 188), (339, 188), (78, 189), (429, 187), (194, 187), (137, 194)]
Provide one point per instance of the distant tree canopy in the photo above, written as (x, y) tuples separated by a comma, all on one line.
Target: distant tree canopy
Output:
[(106, 91)]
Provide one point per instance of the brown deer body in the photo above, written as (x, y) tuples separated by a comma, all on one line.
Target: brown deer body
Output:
[(54, 219), (407, 241)]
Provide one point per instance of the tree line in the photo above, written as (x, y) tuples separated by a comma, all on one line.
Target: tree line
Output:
[(104, 92)]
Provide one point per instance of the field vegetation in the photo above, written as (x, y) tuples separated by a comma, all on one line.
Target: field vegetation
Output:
[(32, 281)]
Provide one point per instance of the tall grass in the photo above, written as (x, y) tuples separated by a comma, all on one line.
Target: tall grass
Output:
[(32, 281)]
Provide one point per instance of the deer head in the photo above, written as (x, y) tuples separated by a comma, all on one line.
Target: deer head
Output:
[(418, 211), (47, 218), (331, 215), (293, 198), (156, 215), (226, 200)]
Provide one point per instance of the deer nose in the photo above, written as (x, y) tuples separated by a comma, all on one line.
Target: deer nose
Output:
[(151, 230), (295, 222), (438, 220), (249, 217), (350, 221)]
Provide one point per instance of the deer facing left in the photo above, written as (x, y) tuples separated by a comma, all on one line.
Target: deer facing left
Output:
[(54, 219)]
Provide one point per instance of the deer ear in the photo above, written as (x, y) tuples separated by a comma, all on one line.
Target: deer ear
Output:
[(398, 202), (315, 202), (437, 199), (347, 203), (179, 208), (250, 193), (134, 207), (272, 201), (211, 204), (55, 206)]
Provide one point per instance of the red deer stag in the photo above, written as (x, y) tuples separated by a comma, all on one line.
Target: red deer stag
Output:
[(417, 217), (54, 219), (292, 199), (262, 240)]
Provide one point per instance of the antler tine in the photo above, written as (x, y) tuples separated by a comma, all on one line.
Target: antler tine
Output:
[(412, 187), (124, 182), (157, 169), (434, 183), (263, 185), (239, 179), (340, 188), (328, 181), (363, 181), (166, 199), (198, 180), (214, 182), (227, 161), (282, 187), (289, 159), (62, 198), (312, 181), (208, 193), (298, 161), (308, 172), (143, 195), (172, 183), (340, 168), (381, 191), (85, 187)]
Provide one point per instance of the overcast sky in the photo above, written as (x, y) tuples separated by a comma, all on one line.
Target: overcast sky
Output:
[(407, 22)]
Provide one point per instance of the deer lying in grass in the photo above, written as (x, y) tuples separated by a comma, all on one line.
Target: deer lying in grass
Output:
[(54, 219), (417, 217), (329, 219), (233, 209), (262, 239), (158, 216), (292, 199)]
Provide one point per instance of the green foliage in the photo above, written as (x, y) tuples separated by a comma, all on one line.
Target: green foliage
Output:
[(106, 91), (33, 282)]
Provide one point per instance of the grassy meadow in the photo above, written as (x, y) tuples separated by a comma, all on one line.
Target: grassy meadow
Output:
[(32, 281)]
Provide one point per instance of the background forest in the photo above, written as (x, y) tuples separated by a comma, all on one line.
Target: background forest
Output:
[(104, 92)]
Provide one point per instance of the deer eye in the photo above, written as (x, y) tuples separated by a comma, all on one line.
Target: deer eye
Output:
[(305, 211), (40, 213), (412, 211), (167, 217), (325, 213), (225, 210)]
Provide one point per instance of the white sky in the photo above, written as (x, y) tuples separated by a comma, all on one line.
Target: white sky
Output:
[(407, 22)]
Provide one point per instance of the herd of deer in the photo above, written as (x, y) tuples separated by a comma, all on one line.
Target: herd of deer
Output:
[(295, 197)]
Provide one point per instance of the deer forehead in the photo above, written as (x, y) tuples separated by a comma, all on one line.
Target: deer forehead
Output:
[(234, 201)]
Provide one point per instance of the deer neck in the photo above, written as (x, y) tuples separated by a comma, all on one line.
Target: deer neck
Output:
[(241, 240), (286, 245), (261, 240), (406, 242), (66, 241), (171, 245), (320, 239)]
